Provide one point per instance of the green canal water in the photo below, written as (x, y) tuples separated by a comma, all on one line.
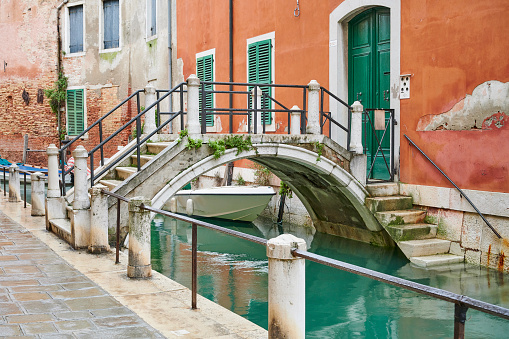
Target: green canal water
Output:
[(233, 273)]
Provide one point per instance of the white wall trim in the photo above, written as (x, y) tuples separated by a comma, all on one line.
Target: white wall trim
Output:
[(101, 29), (67, 31), (148, 18)]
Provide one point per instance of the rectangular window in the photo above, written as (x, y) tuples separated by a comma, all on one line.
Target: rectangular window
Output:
[(111, 17), (76, 29), (151, 18), (205, 72), (260, 71), (75, 111)]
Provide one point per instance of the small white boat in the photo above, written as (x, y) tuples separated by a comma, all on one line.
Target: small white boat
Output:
[(243, 203)]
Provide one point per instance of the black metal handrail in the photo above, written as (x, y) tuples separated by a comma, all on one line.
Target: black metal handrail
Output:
[(327, 116), (456, 186), (388, 127)]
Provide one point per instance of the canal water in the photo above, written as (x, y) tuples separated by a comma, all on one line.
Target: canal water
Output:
[(233, 273)]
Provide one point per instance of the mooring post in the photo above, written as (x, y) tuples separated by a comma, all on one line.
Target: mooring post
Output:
[(193, 106), (287, 304), (139, 265), (150, 116), (313, 125), (80, 223), (295, 120), (55, 205), (98, 220), (37, 197), (356, 128), (14, 185)]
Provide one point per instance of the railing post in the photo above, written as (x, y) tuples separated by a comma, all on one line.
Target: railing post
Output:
[(55, 207), (295, 120), (313, 125), (139, 265), (256, 99), (193, 105), (287, 304), (150, 116), (356, 128), (37, 197), (98, 220), (80, 223), (460, 316), (14, 185)]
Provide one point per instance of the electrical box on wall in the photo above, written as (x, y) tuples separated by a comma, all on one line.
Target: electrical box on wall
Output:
[(404, 86)]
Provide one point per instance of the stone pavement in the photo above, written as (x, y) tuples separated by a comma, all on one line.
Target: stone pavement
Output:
[(49, 290)]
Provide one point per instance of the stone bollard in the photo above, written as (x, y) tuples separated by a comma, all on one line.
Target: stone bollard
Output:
[(313, 126), (37, 200), (139, 265), (55, 204), (295, 118), (287, 304), (98, 220), (356, 128), (80, 223), (14, 186), (193, 106), (150, 116)]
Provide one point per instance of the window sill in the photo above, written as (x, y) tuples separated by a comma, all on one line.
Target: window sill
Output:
[(150, 38), (110, 50), (83, 137), (74, 55)]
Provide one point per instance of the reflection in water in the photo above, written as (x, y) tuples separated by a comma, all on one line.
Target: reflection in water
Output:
[(233, 273)]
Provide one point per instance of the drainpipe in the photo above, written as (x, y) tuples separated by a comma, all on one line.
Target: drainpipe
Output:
[(170, 57), (59, 62)]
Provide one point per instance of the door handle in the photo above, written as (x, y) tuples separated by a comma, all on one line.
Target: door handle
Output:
[(358, 95)]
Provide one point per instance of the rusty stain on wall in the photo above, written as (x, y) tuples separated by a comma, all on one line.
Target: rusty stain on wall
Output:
[(486, 108)]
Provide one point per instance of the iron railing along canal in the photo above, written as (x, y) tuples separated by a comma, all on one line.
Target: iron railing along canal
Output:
[(6, 169)]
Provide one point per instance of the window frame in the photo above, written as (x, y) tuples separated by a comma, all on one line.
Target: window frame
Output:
[(148, 17), (200, 55), (76, 88), (67, 32), (101, 29)]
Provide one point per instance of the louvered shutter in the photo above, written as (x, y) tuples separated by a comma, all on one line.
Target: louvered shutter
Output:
[(260, 71), (75, 112), (76, 29), (205, 72), (111, 24)]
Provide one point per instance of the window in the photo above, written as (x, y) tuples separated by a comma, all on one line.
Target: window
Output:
[(260, 70), (205, 72), (75, 111), (75, 29), (111, 19), (151, 18)]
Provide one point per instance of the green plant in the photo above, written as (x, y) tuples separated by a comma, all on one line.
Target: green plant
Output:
[(62, 134), (58, 93), (193, 143), (182, 134), (261, 175), (134, 133), (232, 141), (240, 180), (284, 189), (319, 150)]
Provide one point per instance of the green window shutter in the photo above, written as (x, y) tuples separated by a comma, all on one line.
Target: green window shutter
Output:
[(75, 112), (205, 72), (260, 70)]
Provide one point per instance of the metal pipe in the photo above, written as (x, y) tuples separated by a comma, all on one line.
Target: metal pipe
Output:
[(4, 183), (460, 316), (117, 245), (231, 63), (194, 263), (170, 60), (25, 188)]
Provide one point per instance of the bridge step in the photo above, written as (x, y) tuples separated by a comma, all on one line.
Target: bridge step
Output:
[(437, 260), (383, 189), (412, 231), (425, 247), (393, 218), (125, 172), (62, 228), (144, 158), (156, 147), (111, 184), (389, 203)]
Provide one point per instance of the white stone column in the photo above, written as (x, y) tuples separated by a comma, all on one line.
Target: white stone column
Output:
[(256, 102), (80, 224), (313, 125), (98, 220), (37, 199), (295, 118), (356, 128), (287, 303), (150, 116), (139, 265), (193, 106), (55, 204), (14, 186)]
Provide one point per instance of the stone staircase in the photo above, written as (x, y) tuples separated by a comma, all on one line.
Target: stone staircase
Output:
[(407, 227)]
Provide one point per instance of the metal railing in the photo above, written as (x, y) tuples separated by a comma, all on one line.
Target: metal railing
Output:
[(456, 186), (326, 116), (4, 169), (461, 302), (370, 128)]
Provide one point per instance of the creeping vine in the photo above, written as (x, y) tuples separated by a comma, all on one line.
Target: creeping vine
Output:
[(319, 148)]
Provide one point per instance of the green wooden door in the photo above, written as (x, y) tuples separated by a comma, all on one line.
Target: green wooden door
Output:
[(369, 80)]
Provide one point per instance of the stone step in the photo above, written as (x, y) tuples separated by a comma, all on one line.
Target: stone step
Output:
[(156, 147), (412, 231), (62, 228), (144, 158), (437, 260), (425, 247), (111, 184), (383, 189), (400, 217), (125, 172), (389, 203)]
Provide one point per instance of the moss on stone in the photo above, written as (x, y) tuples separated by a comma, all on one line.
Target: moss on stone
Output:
[(397, 221), (110, 56)]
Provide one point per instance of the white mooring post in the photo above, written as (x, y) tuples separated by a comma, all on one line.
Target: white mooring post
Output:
[(356, 128), (139, 265), (193, 106), (313, 125), (55, 205), (287, 304), (14, 186), (37, 197), (98, 220), (80, 223), (150, 116), (295, 117)]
